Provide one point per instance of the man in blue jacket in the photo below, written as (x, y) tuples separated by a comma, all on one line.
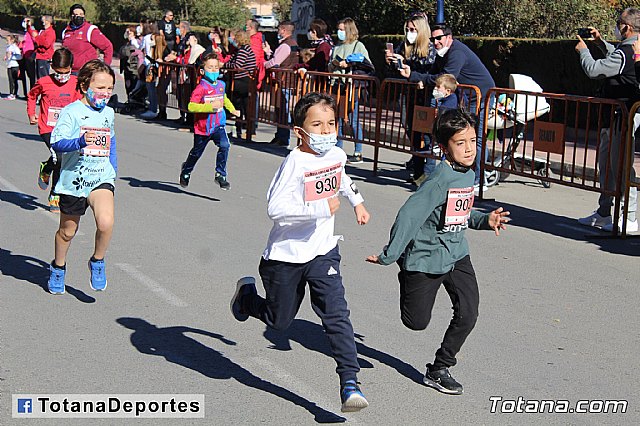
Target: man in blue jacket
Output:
[(454, 57)]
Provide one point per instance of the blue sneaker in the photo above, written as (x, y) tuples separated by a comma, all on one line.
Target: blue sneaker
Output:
[(245, 286), (352, 397), (56, 280), (98, 275)]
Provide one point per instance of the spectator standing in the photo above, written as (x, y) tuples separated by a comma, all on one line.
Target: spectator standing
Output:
[(286, 57), (168, 28), (28, 62), (44, 41), (257, 38), (617, 69), (12, 57), (155, 50), (419, 53), (455, 58), (83, 38), (243, 59), (322, 47), (349, 45)]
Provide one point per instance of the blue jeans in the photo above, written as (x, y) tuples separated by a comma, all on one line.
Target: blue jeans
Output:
[(200, 142), (152, 96), (355, 125), (479, 137), (283, 133)]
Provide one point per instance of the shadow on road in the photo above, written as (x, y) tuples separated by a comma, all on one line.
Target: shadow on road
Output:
[(163, 186), (174, 345), (35, 271), (29, 136), (312, 337), (22, 200), (562, 226)]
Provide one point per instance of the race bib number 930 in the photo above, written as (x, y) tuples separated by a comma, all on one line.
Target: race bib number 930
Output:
[(322, 183)]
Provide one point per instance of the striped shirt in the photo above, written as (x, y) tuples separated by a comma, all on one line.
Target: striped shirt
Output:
[(244, 59)]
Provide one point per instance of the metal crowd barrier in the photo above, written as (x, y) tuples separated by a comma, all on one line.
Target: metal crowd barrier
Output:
[(530, 133), (632, 156), (175, 84), (405, 117)]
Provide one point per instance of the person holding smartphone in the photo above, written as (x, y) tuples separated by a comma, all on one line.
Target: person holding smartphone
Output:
[(419, 53)]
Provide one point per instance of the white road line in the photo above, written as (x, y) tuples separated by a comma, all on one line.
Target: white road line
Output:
[(51, 216), (297, 386), (152, 285)]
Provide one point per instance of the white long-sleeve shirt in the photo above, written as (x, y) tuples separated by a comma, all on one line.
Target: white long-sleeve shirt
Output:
[(297, 203)]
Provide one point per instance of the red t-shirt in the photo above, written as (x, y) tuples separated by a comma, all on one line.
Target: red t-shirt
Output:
[(53, 97)]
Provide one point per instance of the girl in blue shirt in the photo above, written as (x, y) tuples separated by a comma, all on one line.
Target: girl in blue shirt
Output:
[(84, 137)]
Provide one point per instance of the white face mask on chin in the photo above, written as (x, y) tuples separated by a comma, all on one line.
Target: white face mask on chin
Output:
[(443, 51)]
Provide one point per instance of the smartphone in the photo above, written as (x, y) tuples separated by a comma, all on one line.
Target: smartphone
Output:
[(585, 33), (390, 47), (399, 63)]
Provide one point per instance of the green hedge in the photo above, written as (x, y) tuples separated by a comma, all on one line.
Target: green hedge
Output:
[(551, 63)]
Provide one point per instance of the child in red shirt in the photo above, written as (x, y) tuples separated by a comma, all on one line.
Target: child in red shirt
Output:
[(56, 91)]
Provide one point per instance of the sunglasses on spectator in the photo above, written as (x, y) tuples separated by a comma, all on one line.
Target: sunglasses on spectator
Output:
[(411, 30), (433, 39)]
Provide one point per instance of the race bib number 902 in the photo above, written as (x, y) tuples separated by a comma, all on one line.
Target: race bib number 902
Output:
[(102, 145), (322, 183), (459, 203)]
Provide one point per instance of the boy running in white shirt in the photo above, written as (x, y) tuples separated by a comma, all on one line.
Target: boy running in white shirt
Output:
[(302, 201)]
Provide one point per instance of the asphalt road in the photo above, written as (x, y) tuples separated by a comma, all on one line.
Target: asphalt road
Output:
[(558, 315)]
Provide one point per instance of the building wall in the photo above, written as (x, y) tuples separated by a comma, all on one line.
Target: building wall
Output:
[(260, 7)]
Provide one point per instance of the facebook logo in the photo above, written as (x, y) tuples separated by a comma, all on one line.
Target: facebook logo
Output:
[(24, 405)]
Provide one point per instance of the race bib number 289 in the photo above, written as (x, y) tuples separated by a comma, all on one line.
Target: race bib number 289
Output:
[(322, 183)]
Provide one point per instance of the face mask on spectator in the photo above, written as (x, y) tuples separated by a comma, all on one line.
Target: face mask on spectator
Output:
[(438, 94), (139, 30), (24, 25), (617, 33), (342, 35), (411, 37), (443, 51), (233, 42), (210, 36), (211, 75), (77, 20), (280, 37), (309, 35)]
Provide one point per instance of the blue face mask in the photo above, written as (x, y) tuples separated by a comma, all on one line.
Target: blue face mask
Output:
[(233, 42), (213, 76), (342, 35), (321, 143), (279, 37)]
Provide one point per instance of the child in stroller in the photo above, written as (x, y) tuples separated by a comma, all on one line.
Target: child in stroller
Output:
[(513, 112)]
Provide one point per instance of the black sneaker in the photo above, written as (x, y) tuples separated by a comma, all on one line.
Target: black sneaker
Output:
[(244, 286), (442, 381), (184, 177), (222, 181), (355, 158)]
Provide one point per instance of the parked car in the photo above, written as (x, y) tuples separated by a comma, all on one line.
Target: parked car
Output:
[(267, 21)]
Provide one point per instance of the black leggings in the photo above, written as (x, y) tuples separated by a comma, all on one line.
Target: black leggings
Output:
[(12, 74), (50, 167), (418, 292)]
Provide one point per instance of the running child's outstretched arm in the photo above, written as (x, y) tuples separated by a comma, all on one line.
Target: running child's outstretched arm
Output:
[(497, 220), (32, 97), (229, 106), (350, 190)]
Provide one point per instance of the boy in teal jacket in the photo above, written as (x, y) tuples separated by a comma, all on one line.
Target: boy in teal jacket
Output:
[(427, 240)]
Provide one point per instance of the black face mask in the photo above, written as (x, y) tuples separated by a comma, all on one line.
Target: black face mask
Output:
[(77, 20), (456, 166)]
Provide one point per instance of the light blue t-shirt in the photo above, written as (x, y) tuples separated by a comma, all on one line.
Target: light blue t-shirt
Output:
[(84, 168)]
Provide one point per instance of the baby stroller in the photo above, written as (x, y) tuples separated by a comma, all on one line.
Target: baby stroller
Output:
[(132, 66), (513, 113)]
